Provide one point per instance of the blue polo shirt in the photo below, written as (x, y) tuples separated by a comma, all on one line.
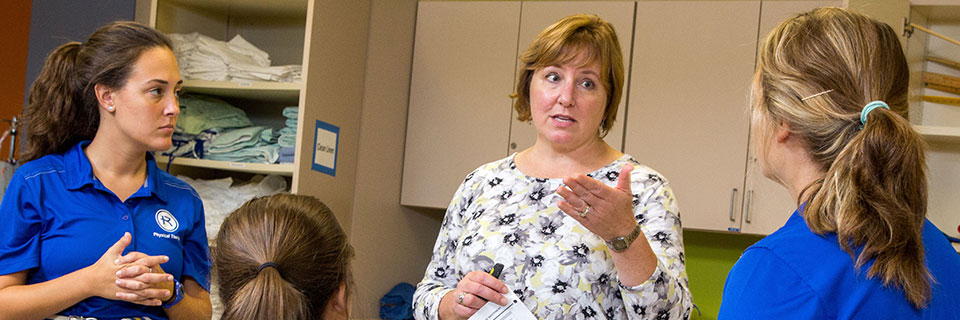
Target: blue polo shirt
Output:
[(57, 217), (796, 274)]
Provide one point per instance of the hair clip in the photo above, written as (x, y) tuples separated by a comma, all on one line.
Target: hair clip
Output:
[(817, 95)]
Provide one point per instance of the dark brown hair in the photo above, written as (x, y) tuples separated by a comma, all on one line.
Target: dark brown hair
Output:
[(563, 42), (297, 233), (816, 72), (62, 107)]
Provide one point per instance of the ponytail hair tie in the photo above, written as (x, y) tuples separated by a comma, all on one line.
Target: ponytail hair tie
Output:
[(268, 264), (869, 107)]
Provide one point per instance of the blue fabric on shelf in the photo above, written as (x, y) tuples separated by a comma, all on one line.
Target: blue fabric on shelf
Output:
[(292, 123), (287, 154)]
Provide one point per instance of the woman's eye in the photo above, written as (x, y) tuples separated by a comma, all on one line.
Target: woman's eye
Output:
[(587, 84), (553, 77), (177, 93), (156, 91)]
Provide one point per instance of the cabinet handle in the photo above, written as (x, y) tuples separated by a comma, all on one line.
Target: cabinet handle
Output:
[(733, 197), (747, 206)]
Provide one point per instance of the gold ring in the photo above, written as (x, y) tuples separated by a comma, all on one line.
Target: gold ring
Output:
[(460, 298), (583, 214)]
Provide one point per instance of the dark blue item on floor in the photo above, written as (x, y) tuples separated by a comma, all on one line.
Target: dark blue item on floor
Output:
[(398, 302)]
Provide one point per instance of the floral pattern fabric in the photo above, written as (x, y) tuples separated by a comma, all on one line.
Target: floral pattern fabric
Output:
[(555, 265)]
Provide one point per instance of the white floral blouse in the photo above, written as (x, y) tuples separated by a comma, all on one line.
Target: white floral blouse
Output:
[(556, 266)]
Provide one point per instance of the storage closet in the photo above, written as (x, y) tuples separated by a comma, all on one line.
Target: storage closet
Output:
[(938, 120), (326, 37)]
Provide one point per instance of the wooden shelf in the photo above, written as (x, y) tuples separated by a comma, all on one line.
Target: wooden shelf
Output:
[(939, 133), (283, 169), (287, 92)]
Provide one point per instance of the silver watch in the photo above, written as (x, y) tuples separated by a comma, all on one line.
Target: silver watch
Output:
[(620, 244)]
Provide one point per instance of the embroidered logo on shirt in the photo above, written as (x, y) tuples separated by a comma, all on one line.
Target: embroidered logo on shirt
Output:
[(167, 221)]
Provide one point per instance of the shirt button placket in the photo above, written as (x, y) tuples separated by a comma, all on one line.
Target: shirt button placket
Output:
[(127, 220)]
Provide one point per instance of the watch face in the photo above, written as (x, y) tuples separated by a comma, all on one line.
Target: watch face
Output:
[(619, 244)]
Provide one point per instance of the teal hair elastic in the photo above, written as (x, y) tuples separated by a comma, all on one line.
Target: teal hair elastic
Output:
[(869, 107)]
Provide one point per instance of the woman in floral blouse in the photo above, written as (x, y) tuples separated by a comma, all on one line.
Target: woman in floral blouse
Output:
[(561, 216)]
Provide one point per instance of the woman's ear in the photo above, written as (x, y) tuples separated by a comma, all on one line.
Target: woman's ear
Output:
[(783, 132), (337, 307), (105, 96)]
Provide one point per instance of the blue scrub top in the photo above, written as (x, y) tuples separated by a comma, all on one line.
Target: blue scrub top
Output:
[(57, 217), (796, 274)]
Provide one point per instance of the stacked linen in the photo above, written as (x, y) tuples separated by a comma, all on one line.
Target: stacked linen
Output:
[(199, 113), (201, 119), (204, 58), (288, 135), (210, 128), (251, 144)]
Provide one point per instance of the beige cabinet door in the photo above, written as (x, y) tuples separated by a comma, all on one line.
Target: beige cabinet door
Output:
[(767, 204), (692, 65), (535, 16), (459, 113)]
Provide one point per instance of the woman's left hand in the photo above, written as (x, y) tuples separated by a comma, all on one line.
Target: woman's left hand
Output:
[(142, 278), (605, 211)]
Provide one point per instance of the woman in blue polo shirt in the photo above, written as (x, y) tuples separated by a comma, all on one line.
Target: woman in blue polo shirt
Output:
[(829, 122), (89, 227)]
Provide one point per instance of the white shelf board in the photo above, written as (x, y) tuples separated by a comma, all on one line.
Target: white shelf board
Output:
[(939, 133), (250, 7), (288, 92), (283, 169)]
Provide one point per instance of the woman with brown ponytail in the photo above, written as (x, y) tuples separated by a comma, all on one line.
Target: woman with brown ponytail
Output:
[(829, 108), (282, 257), (94, 114)]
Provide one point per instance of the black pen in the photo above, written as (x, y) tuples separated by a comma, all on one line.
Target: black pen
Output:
[(497, 268)]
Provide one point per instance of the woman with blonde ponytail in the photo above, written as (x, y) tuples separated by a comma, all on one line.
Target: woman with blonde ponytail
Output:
[(829, 123), (282, 257)]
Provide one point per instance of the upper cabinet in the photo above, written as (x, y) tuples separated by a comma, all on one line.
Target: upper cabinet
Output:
[(687, 118), (464, 68), (459, 112)]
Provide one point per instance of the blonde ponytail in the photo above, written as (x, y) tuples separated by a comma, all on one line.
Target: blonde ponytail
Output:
[(816, 72)]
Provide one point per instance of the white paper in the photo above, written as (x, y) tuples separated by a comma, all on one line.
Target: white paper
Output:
[(514, 310)]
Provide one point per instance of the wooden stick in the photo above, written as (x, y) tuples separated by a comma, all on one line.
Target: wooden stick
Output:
[(947, 62), (941, 82), (935, 34), (942, 100)]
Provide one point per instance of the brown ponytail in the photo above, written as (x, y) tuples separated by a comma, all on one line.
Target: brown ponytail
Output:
[(816, 72), (62, 107), (297, 233)]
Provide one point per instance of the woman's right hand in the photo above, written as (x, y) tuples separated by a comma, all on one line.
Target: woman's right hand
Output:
[(102, 275), (476, 288)]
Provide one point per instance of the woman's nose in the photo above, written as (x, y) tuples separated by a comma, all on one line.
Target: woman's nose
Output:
[(173, 107), (566, 94)]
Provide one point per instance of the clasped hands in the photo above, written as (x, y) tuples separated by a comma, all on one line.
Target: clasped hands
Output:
[(135, 277)]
